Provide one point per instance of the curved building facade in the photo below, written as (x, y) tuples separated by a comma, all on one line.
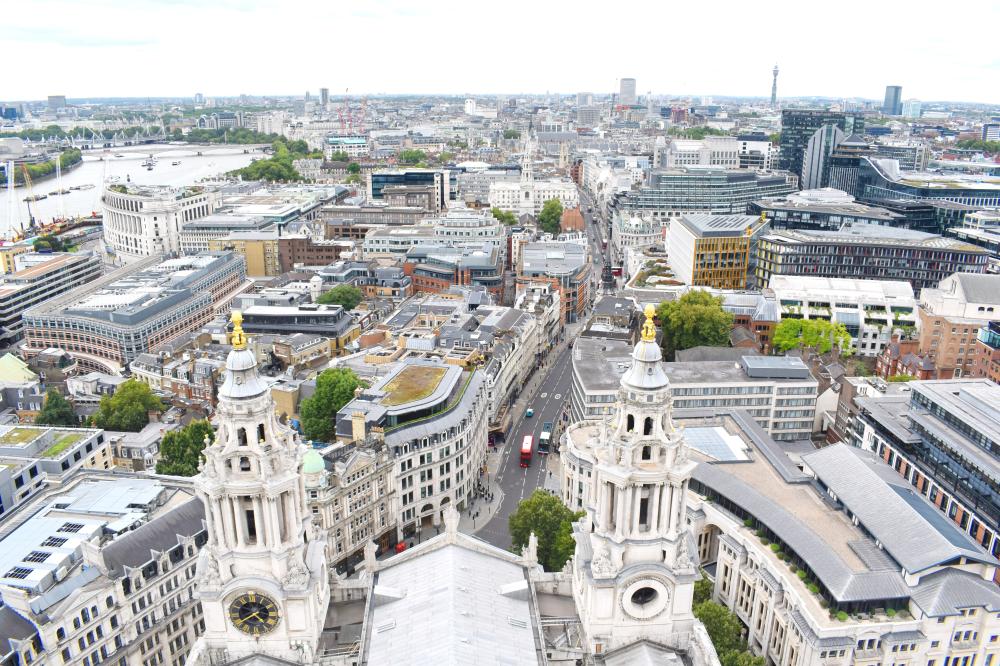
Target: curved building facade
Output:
[(146, 221)]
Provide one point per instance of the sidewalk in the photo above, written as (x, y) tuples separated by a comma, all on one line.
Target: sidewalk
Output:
[(481, 511)]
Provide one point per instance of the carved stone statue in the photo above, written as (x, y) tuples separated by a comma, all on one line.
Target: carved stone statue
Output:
[(600, 565), (212, 577), (682, 558)]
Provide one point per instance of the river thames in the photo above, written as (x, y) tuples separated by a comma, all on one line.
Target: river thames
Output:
[(213, 161)]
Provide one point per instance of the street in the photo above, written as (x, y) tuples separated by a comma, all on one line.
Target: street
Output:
[(547, 392), (547, 395)]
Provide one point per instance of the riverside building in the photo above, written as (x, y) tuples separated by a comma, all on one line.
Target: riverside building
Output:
[(145, 220)]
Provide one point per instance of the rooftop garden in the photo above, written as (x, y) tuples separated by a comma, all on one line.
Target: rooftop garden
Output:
[(655, 272), (63, 441), (414, 382), (19, 436)]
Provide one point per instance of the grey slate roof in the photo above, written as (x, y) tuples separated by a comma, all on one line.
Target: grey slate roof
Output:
[(980, 288), (13, 626), (912, 536), (136, 548), (843, 583), (942, 592)]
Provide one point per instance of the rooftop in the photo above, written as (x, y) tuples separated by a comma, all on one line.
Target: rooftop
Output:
[(412, 383), (872, 234), (711, 226)]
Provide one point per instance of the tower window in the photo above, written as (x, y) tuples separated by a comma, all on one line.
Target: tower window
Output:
[(241, 436), (260, 433), (643, 596), (244, 464), (647, 452), (251, 526), (630, 423), (647, 426)]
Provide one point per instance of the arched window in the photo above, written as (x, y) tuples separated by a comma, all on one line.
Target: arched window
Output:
[(260, 433), (630, 423), (241, 436), (244, 464), (647, 426), (647, 452)]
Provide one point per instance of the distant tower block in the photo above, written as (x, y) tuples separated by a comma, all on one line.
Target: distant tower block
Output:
[(774, 88)]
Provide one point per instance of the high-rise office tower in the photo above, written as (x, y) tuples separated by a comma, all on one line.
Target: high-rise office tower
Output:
[(626, 93), (324, 97), (199, 98), (798, 126), (584, 99), (912, 108), (893, 104), (774, 89)]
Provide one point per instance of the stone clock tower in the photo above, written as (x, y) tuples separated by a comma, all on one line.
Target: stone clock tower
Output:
[(262, 577), (634, 567)]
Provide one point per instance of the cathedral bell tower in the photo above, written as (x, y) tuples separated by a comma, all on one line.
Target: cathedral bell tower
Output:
[(263, 581), (634, 568)]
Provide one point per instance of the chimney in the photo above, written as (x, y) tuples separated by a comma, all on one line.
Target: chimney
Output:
[(358, 426)]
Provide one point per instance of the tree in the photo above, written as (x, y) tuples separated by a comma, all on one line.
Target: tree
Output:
[(128, 408), (354, 168), (352, 178), (504, 216), (56, 411), (511, 134), (818, 334), (696, 318), (548, 518), (339, 156), (703, 588), (774, 138), (48, 242), (180, 450), (411, 156), (346, 295), (334, 389), (726, 632), (445, 156), (550, 216)]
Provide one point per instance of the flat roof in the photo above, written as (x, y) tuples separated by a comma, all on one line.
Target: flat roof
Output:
[(872, 234), (711, 226)]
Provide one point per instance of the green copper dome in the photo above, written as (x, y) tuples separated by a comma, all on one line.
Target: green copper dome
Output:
[(312, 462)]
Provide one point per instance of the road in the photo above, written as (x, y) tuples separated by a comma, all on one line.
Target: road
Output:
[(548, 394)]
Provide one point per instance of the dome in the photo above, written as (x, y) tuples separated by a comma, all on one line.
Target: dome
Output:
[(312, 462), (646, 371)]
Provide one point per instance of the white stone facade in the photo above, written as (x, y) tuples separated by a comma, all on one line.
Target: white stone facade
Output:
[(147, 221)]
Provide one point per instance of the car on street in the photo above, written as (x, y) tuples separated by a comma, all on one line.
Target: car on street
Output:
[(529, 413)]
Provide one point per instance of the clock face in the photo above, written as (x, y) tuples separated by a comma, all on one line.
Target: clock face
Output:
[(254, 614)]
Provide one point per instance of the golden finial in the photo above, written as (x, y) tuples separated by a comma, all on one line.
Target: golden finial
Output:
[(649, 328), (239, 338)]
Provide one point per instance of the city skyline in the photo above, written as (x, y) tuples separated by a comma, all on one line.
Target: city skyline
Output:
[(151, 48)]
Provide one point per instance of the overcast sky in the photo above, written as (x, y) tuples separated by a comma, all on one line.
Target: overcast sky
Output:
[(137, 48)]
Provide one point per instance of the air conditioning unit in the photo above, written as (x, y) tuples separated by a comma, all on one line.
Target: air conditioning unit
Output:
[(60, 573)]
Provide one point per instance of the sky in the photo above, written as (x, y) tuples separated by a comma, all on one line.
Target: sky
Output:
[(166, 48)]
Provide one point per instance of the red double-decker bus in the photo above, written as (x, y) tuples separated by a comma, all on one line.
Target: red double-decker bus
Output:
[(526, 447)]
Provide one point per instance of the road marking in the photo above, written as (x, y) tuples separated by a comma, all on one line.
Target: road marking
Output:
[(544, 395), (558, 395)]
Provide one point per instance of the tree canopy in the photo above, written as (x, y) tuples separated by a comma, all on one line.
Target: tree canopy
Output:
[(726, 632), (180, 450), (696, 318), (354, 168), (548, 518), (128, 408), (346, 295), (818, 334), (317, 415), (511, 134), (278, 168), (980, 144), (698, 133), (339, 156), (56, 411), (504, 216), (412, 156), (48, 242), (550, 217)]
